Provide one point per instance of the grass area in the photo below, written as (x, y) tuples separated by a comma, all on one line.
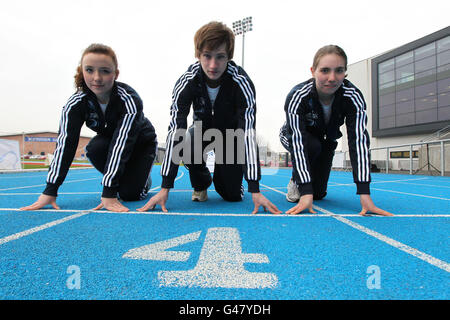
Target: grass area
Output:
[(40, 164), (34, 166)]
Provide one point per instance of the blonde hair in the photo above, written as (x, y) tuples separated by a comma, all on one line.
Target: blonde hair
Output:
[(80, 85)]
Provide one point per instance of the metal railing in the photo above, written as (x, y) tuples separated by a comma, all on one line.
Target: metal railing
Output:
[(437, 135), (410, 148)]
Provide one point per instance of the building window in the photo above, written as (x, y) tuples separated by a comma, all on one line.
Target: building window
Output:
[(403, 154), (413, 85)]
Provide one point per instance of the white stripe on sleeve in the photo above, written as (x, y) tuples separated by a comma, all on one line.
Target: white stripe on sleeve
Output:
[(55, 166), (179, 87), (122, 137)]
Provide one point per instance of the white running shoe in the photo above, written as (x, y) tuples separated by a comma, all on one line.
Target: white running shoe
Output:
[(293, 195), (199, 196)]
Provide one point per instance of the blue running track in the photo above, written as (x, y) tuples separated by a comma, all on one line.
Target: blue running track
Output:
[(217, 250)]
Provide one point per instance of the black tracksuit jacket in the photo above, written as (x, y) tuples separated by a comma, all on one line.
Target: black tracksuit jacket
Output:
[(234, 108), (124, 122), (304, 114)]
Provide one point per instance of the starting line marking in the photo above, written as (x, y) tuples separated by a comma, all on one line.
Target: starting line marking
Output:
[(228, 214)]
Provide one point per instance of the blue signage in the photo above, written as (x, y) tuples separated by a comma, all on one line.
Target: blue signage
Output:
[(40, 139)]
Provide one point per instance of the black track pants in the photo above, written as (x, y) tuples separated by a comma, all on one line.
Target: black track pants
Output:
[(136, 180), (227, 178), (320, 157)]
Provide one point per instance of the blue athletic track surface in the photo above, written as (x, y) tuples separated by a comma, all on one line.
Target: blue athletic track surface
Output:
[(217, 250)]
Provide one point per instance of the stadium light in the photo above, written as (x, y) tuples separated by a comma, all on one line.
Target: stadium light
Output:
[(242, 27)]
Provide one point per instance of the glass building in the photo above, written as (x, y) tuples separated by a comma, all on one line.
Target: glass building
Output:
[(411, 87)]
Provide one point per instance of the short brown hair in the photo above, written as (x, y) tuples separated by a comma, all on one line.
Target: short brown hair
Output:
[(329, 49), (211, 36), (93, 48)]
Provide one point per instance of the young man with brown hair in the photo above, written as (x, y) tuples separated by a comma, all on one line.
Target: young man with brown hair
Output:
[(223, 100)]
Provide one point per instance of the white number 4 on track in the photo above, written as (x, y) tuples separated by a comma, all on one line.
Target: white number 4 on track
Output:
[(220, 265)]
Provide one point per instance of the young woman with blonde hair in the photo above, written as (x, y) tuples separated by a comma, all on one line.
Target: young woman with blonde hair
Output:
[(315, 110)]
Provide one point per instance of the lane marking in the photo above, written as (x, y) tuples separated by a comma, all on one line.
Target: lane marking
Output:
[(336, 184), (221, 265), (391, 191), (73, 181), (411, 194), (49, 224), (39, 193), (212, 190), (18, 175), (41, 185), (394, 243), (19, 235), (425, 185), (228, 214), (60, 193), (383, 181)]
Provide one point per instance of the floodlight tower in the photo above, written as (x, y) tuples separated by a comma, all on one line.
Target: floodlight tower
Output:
[(242, 27)]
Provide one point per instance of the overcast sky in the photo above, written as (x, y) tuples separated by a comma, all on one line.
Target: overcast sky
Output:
[(41, 44)]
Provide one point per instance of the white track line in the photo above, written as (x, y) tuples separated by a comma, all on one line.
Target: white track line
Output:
[(403, 247), (41, 185), (53, 223), (41, 227), (212, 190), (335, 184), (70, 181), (43, 175), (425, 185), (412, 194), (39, 193), (229, 214), (375, 182), (414, 252)]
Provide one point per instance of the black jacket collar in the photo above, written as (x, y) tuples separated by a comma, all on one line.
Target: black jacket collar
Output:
[(91, 94)]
